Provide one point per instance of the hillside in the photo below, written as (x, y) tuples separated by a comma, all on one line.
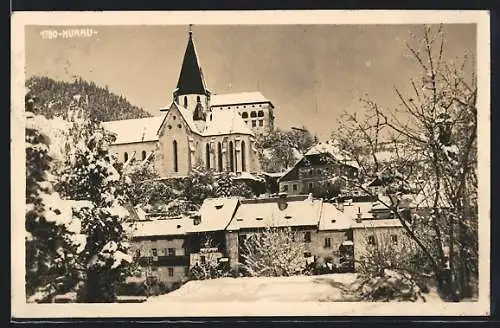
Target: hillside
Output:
[(54, 98)]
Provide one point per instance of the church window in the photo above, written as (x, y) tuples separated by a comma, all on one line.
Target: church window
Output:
[(198, 99), (174, 117), (260, 113), (231, 156), (207, 155), (261, 122), (143, 155), (243, 160), (246, 122), (176, 166), (185, 102), (253, 114), (179, 126), (125, 157), (254, 123), (219, 156), (244, 115), (169, 127)]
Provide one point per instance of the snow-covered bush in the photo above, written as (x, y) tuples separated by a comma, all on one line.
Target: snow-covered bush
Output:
[(390, 286), (273, 252)]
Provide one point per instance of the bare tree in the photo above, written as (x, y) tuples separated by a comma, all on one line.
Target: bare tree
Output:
[(427, 147)]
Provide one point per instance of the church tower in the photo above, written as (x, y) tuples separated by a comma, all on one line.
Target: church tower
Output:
[(191, 92)]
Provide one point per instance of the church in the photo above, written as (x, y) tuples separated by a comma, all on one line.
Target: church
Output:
[(198, 127)]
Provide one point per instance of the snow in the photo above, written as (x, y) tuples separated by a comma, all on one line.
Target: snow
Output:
[(213, 216), (119, 257), (273, 289), (135, 130), (237, 98), (225, 122), (298, 213)]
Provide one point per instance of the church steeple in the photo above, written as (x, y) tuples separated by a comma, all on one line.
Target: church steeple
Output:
[(191, 79)]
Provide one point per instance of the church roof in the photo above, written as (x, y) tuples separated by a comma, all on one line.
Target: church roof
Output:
[(135, 130), (225, 122), (191, 79), (237, 98)]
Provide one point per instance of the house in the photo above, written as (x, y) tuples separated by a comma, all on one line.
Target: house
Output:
[(320, 226), (160, 249), (318, 171), (197, 127)]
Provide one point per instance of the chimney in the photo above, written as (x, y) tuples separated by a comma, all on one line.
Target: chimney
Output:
[(358, 215), (282, 203), (340, 206)]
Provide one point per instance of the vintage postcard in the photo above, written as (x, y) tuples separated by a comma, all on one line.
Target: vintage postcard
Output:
[(251, 163)]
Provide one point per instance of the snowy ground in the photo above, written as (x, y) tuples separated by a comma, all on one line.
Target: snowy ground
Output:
[(296, 289), (321, 288)]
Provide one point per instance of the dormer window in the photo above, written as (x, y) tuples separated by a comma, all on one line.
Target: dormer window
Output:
[(219, 206), (288, 217), (259, 219)]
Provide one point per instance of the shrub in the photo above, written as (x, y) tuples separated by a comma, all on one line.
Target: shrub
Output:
[(389, 286)]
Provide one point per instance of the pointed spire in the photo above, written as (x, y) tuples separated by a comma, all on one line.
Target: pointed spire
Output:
[(191, 79)]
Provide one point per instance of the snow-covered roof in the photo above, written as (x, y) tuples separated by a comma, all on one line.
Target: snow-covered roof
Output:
[(237, 98), (247, 176), (333, 219), (379, 223), (225, 122), (354, 208), (216, 213), (169, 227), (135, 130), (330, 148), (261, 214)]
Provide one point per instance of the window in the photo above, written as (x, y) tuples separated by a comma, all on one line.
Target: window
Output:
[(219, 157), (285, 188), (171, 252), (260, 113), (185, 102), (246, 122), (307, 237), (137, 253), (203, 260), (179, 126), (170, 272), (125, 157), (261, 122), (176, 163), (243, 160), (294, 187), (197, 98), (394, 239), (254, 123), (310, 186), (143, 155), (231, 156), (371, 240), (154, 251), (253, 114), (307, 254), (328, 242), (174, 117), (207, 155)]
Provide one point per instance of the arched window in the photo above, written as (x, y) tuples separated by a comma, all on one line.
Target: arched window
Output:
[(185, 102), (207, 158), (219, 157), (143, 155), (253, 114), (176, 166), (243, 162), (197, 98), (244, 115), (231, 156), (260, 113), (125, 157)]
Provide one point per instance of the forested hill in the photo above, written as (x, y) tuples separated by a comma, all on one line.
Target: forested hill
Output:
[(54, 98)]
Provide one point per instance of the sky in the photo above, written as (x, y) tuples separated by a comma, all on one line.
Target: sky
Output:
[(311, 73)]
